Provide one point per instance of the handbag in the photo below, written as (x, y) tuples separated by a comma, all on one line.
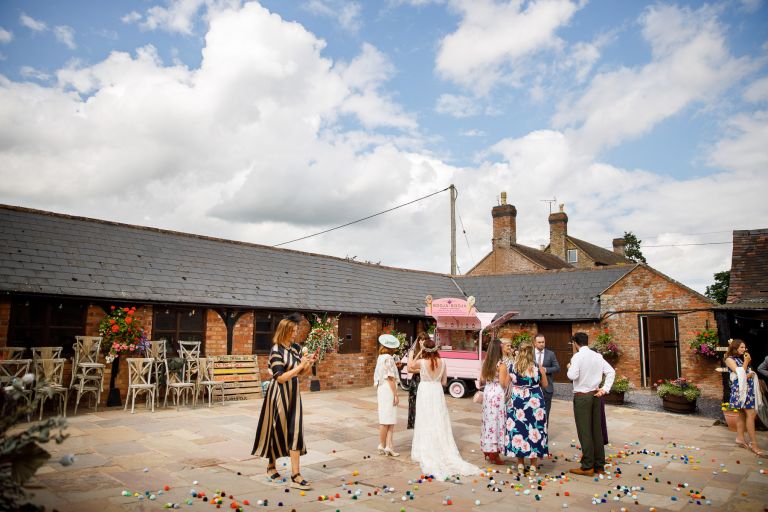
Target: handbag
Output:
[(478, 397)]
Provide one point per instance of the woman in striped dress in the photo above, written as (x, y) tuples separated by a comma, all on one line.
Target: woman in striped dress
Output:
[(280, 432)]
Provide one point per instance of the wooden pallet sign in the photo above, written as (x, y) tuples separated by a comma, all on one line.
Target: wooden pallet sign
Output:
[(240, 375)]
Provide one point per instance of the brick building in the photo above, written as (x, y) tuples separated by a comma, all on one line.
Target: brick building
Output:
[(59, 274)]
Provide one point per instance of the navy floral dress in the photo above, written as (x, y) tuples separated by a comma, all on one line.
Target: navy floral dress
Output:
[(526, 424), (735, 402)]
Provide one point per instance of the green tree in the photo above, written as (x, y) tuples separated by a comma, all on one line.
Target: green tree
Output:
[(718, 292), (632, 247)]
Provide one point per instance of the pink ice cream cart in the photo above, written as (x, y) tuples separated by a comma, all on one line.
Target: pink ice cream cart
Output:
[(460, 334)]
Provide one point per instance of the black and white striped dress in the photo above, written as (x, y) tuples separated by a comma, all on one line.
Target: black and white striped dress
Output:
[(281, 427)]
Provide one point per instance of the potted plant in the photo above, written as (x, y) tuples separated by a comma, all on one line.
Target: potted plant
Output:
[(705, 343), (605, 346), (121, 335), (731, 415), (678, 395), (620, 386), (321, 338)]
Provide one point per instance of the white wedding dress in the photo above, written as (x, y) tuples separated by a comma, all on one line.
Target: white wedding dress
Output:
[(433, 445)]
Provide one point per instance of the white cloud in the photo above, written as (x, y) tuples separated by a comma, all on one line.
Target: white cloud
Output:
[(457, 106), (65, 35), (131, 17), (691, 63), (179, 16), (5, 36), (32, 24), (743, 148), (757, 91), (472, 133), (347, 14), (493, 39), (30, 72)]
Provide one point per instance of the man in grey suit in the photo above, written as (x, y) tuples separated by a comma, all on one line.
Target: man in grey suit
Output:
[(546, 358)]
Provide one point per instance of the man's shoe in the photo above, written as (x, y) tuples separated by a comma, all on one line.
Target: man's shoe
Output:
[(599, 470), (583, 472)]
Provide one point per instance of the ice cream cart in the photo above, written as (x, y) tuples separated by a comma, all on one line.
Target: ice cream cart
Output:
[(459, 334)]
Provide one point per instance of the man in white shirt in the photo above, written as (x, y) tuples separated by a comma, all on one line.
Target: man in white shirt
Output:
[(546, 359), (586, 370)]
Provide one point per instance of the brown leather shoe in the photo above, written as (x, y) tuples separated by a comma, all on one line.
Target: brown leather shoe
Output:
[(583, 472), (599, 471)]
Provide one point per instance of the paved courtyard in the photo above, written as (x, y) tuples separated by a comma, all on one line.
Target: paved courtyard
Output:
[(661, 461)]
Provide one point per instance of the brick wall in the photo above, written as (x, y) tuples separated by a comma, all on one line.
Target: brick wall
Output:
[(644, 289), (5, 318), (504, 261), (584, 260), (242, 341), (504, 225), (215, 334), (558, 232)]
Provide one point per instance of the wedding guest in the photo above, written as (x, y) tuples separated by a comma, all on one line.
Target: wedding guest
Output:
[(414, 383), (494, 376), (743, 396), (586, 370), (507, 351), (547, 360), (280, 432), (526, 417), (385, 380)]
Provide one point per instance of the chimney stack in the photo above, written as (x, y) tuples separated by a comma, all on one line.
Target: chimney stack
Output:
[(504, 224), (619, 245), (558, 232)]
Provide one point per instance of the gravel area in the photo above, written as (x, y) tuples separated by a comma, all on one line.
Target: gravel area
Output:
[(647, 400)]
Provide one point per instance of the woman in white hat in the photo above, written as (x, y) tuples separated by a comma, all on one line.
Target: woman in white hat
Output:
[(384, 380)]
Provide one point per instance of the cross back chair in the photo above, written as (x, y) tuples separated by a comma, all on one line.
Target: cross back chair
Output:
[(46, 352), (87, 371), (206, 381), (189, 351), (11, 353), (157, 351), (178, 385), (140, 373), (50, 382)]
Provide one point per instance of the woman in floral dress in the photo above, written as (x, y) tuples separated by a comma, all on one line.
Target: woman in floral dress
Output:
[(526, 417), (495, 376), (743, 397)]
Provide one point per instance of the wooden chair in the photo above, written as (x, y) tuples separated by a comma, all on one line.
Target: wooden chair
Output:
[(11, 353), (50, 382), (189, 351), (87, 371), (178, 386), (13, 369), (157, 351), (140, 372), (205, 380)]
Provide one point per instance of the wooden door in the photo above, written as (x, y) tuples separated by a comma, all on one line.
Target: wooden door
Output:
[(660, 347), (558, 337), (349, 332), (407, 326)]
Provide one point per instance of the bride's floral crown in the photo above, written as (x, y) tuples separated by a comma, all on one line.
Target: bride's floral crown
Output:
[(428, 349)]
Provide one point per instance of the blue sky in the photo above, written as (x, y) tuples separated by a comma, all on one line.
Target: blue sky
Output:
[(267, 121)]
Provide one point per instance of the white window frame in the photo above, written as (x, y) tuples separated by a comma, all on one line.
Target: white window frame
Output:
[(575, 253)]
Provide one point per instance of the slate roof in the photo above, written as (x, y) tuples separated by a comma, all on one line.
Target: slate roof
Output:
[(570, 294), (541, 258), (749, 268), (600, 255), (54, 254)]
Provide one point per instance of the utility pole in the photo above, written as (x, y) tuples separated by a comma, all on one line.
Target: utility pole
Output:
[(453, 229)]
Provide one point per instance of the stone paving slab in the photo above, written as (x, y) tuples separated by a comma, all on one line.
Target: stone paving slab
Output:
[(212, 446)]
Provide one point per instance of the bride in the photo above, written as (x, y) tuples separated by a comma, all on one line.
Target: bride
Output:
[(433, 445)]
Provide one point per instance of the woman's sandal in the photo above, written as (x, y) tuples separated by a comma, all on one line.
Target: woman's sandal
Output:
[(274, 477), (743, 444), (753, 447), (303, 484)]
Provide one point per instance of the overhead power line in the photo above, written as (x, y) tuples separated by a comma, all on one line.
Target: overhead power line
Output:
[(643, 246), (364, 218)]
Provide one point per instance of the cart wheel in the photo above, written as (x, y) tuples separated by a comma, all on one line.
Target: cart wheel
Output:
[(457, 388)]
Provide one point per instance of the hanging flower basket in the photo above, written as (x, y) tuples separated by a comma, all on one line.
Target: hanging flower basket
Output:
[(520, 337), (705, 343), (605, 346), (322, 337), (122, 334)]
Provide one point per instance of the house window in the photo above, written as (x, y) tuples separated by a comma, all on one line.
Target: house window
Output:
[(573, 256), (349, 332), (264, 326), (174, 324), (37, 322)]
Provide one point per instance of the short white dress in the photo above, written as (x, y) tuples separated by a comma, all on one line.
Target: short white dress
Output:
[(385, 367)]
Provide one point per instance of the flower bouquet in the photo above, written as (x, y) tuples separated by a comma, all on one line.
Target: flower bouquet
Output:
[(705, 343), (122, 334), (605, 346)]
